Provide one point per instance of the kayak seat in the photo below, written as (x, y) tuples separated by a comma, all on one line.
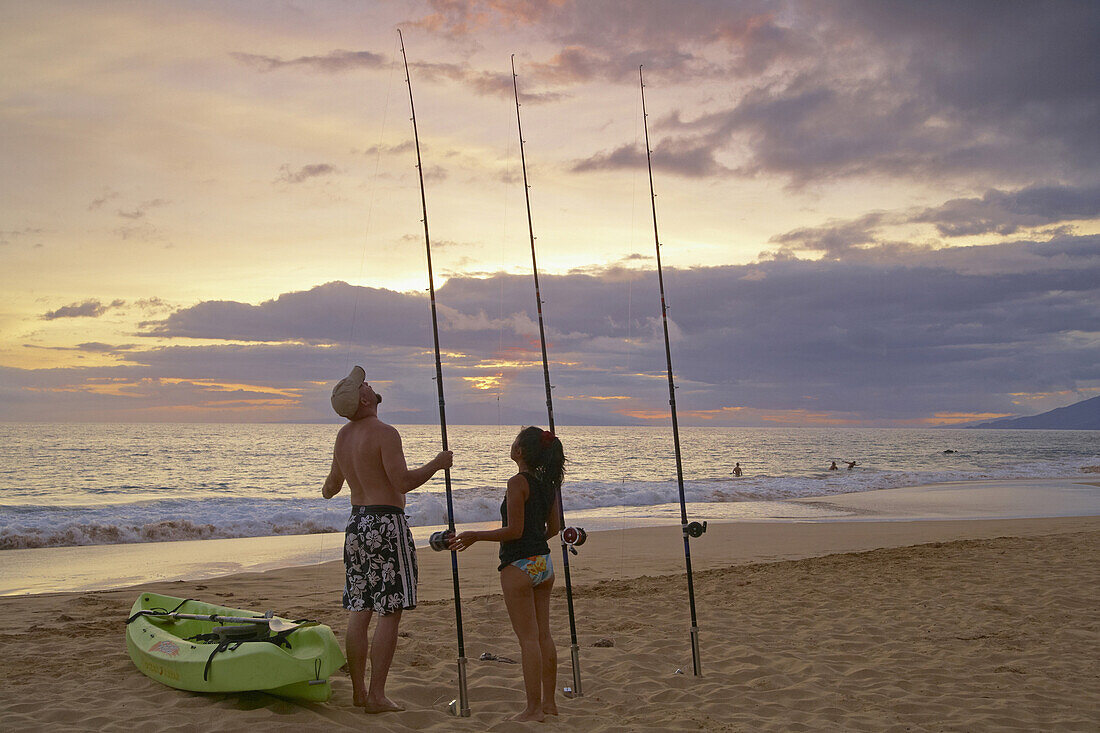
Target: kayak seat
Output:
[(244, 632)]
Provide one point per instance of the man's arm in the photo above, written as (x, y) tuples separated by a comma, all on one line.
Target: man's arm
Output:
[(334, 482), (400, 475)]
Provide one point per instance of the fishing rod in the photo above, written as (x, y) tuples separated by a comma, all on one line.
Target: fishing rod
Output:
[(566, 546), (461, 706), (692, 529)]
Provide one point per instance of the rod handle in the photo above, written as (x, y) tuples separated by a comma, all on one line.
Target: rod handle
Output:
[(696, 666), (461, 706), (574, 652)]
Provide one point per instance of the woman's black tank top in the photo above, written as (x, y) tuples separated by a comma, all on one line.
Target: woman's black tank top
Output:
[(536, 512)]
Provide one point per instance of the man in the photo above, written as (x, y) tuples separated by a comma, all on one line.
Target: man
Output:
[(379, 557)]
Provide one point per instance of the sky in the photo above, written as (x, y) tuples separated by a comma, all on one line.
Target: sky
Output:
[(871, 213)]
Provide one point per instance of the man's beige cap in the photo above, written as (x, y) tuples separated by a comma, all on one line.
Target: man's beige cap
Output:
[(345, 395)]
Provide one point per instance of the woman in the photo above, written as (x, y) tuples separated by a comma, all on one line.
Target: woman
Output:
[(530, 515)]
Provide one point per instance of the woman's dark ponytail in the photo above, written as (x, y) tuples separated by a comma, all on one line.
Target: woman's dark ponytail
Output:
[(543, 453)]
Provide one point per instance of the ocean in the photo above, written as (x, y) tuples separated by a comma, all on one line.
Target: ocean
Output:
[(99, 484)]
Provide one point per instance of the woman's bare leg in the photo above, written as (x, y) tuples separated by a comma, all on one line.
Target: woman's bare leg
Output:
[(520, 602), (549, 652)]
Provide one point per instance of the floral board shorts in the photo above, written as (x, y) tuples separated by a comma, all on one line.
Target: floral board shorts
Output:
[(379, 560)]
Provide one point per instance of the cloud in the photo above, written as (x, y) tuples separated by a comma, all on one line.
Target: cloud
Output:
[(828, 91), (139, 211), (995, 212), (482, 83), (314, 170), (326, 314), (97, 203), (600, 41), (901, 337), (334, 62), (1003, 212), (7, 236), (402, 147), (682, 156), (99, 347), (91, 308)]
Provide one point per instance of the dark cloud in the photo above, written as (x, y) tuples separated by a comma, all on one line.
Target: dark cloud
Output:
[(334, 62), (601, 41), (101, 348), (999, 212), (91, 308), (315, 170), (1006, 213), (834, 240), (895, 337), (974, 92), (684, 156), (326, 314)]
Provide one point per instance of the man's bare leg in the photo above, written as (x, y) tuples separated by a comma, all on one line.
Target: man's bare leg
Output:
[(381, 655), (357, 648)]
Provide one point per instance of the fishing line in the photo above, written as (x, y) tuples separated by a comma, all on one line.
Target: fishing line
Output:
[(578, 535), (629, 333), (370, 204), (366, 240), (692, 529), (500, 295), (461, 706)]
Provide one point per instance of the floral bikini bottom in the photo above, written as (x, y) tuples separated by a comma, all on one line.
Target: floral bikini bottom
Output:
[(539, 568)]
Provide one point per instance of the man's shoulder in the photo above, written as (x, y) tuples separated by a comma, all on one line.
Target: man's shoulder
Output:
[(371, 426)]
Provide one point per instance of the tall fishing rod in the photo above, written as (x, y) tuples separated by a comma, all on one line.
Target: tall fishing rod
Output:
[(692, 529), (566, 547), (463, 703)]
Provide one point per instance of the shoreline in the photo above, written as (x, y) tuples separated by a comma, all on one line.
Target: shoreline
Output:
[(764, 531)]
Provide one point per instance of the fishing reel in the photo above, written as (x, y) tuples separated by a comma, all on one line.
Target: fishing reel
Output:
[(695, 529), (440, 541), (573, 537)]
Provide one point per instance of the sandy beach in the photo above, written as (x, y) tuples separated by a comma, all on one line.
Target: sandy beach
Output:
[(921, 625)]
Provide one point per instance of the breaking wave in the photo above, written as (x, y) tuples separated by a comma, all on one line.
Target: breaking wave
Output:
[(34, 526)]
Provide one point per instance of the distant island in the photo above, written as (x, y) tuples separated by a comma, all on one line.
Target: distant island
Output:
[(1084, 415)]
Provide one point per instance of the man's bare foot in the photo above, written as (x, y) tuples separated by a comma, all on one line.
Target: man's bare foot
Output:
[(535, 716), (385, 705), (550, 709)]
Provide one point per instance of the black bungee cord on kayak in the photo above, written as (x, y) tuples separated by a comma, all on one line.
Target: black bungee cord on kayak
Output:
[(692, 529), (576, 535), (461, 706)]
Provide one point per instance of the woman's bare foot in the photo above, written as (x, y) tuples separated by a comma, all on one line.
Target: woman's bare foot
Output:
[(536, 716), (384, 705), (550, 709)]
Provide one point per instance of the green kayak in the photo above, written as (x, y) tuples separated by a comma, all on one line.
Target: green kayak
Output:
[(191, 645)]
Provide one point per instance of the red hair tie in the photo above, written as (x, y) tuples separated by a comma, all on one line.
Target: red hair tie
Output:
[(547, 437)]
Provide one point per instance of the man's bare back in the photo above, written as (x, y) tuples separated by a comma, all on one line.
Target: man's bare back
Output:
[(368, 455), (360, 449)]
